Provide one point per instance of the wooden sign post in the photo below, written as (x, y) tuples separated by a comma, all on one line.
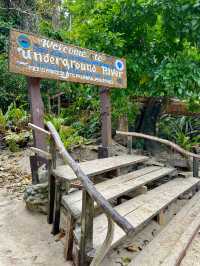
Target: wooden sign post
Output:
[(39, 57), (37, 110), (106, 128), (37, 118)]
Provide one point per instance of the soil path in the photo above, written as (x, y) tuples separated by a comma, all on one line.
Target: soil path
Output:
[(25, 236)]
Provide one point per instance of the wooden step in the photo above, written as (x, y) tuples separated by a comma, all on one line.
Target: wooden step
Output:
[(192, 255), (116, 187), (138, 211), (169, 246), (99, 166)]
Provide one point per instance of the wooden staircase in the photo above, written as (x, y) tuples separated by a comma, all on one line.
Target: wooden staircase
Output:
[(99, 216), (169, 247), (117, 187)]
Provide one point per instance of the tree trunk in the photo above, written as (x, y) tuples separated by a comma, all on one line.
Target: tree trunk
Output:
[(56, 15), (147, 120)]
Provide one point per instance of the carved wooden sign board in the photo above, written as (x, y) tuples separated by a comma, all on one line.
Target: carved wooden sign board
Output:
[(35, 56)]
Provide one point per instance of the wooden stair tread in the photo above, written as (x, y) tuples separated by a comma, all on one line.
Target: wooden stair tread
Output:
[(99, 166), (192, 256), (117, 186), (168, 246), (141, 209)]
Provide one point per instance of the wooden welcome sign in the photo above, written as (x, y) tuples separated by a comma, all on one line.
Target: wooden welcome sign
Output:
[(39, 57), (35, 56)]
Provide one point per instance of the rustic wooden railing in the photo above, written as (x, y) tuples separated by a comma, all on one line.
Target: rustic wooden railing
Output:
[(175, 147), (90, 194)]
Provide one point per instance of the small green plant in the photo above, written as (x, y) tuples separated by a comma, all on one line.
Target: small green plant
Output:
[(15, 141), (2, 122), (71, 138), (16, 115), (57, 121)]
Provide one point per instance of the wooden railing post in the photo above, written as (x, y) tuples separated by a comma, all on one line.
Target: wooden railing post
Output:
[(57, 204), (34, 169), (86, 228), (129, 144), (195, 167), (51, 182)]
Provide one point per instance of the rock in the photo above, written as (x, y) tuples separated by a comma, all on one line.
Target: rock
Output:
[(36, 197)]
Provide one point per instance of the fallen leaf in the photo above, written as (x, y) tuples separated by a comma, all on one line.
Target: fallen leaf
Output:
[(133, 248)]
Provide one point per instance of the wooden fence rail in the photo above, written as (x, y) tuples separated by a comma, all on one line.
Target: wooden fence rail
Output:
[(177, 148)]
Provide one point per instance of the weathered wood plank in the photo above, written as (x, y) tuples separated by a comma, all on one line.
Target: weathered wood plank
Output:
[(51, 183), (99, 166), (41, 130), (118, 186), (37, 111), (41, 153), (196, 167), (77, 195), (143, 208), (163, 141), (68, 246), (34, 169), (130, 144), (86, 244), (176, 255), (167, 240), (192, 255), (57, 206), (106, 128)]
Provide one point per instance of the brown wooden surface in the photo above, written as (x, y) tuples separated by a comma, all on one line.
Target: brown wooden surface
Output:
[(57, 205), (34, 169), (51, 59), (163, 141), (68, 246), (141, 209), (37, 112), (167, 243), (116, 187), (105, 117), (51, 183), (86, 244), (99, 166)]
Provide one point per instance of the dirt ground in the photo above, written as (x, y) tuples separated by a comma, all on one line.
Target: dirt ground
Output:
[(25, 236)]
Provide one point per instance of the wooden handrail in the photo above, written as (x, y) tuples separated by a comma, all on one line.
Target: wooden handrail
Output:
[(88, 185), (163, 141), (41, 130), (42, 153)]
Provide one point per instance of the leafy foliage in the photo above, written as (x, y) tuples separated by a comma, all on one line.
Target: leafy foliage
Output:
[(69, 135), (185, 131), (16, 140)]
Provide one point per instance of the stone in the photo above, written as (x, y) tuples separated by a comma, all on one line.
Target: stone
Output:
[(36, 197)]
